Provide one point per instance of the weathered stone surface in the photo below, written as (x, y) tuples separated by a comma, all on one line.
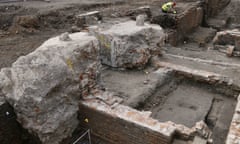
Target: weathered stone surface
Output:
[(140, 20), (127, 45), (228, 37), (44, 87)]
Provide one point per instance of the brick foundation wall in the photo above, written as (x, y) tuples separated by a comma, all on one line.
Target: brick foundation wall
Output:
[(118, 131)]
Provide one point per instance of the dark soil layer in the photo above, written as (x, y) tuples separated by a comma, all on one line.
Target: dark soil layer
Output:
[(11, 131)]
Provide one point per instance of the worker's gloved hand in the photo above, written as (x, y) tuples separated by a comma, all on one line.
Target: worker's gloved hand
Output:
[(174, 12)]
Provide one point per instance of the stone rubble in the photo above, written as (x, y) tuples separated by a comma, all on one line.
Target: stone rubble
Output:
[(228, 37)]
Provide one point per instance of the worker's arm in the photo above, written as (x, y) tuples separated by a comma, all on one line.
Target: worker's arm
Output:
[(172, 10)]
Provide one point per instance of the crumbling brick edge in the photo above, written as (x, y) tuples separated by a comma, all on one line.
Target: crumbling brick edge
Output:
[(234, 131), (119, 124), (114, 122), (233, 136)]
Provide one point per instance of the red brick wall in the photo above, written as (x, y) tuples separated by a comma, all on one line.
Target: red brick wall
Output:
[(118, 131)]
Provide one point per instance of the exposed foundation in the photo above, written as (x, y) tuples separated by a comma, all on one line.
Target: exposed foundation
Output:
[(173, 97), (165, 81)]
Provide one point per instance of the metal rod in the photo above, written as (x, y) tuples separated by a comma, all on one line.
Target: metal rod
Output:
[(81, 137), (89, 136)]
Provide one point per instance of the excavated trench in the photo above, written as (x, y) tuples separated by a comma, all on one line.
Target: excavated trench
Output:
[(176, 98), (169, 97), (187, 102)]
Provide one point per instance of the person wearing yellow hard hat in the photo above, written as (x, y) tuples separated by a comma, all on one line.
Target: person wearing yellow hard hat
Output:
[(169, 7)]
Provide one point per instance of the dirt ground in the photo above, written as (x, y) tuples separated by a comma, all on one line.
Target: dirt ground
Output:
[(54, 18), (45, 20)]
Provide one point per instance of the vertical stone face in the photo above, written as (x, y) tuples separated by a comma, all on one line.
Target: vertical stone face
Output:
[(127, 45), (44, 87), (190, 19), (199, 16), (140, 20)]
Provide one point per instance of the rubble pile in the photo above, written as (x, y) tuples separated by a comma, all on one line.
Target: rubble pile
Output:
[(228, 40)]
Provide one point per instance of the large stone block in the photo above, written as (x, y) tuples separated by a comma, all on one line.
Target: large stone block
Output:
[(127, 45), (45, 86)]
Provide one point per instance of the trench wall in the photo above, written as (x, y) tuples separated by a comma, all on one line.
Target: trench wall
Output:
[(118, 131), (215, 6), (186, 22)]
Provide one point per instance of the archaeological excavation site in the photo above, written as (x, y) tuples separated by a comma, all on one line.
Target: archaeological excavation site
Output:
[(119, 71)]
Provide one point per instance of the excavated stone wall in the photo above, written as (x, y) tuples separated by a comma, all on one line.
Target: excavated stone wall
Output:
[(189, 16), (190, 19)]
